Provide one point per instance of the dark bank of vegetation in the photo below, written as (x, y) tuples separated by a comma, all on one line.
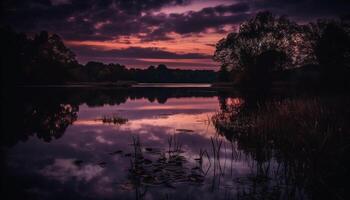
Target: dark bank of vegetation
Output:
[(270, 50), (300, 143), (44, 59)]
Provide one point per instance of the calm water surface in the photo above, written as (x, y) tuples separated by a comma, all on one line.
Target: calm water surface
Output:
[(172, 85), (162, 145)]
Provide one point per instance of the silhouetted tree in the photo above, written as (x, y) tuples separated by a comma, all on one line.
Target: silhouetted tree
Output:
[(15, 56), (162, 67), (330, 41), (333, 46), (263, 44), (330, 48), (151, 68), (44, 59), (223, 74)]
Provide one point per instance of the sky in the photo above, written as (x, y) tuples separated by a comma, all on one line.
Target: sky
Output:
[(139, 33)]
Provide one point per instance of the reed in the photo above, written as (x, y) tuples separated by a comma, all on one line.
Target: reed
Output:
[(308, 137)]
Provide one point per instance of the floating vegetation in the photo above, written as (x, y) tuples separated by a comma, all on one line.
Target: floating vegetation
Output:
[(152, 167), (114, 119)]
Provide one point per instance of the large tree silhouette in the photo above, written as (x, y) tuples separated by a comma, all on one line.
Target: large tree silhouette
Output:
[(42, 59), (263, 44)]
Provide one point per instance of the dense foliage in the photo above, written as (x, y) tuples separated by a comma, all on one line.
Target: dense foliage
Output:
[(267, 43), (97, 72), (264, 34), (41, 59)]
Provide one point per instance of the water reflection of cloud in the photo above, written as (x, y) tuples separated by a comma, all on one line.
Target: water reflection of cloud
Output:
[(142, 108), (171, 124), (92, 142), (102, 140), (65, 169), (195, 123)]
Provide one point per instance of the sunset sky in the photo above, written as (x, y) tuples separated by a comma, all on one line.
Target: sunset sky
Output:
[(139, 33)]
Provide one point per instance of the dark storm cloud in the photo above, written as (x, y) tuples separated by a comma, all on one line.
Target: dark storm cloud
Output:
[(221, 9), (305, 10), (136, 52), (125, 16), (133, 7), (110, 19), (195, 22), (76, 19)]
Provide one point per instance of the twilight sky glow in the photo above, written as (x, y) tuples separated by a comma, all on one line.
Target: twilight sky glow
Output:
[(139, 33)]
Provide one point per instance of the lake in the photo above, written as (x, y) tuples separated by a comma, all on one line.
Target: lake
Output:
[(173, 142)]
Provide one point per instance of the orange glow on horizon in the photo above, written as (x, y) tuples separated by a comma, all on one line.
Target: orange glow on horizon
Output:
[(180, 45), (193, 61)]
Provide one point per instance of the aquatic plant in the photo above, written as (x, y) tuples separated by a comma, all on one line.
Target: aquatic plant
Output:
[(151, 167), (114, 119)]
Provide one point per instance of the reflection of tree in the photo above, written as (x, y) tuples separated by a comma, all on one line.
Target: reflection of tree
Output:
[(49, 122), (42, 116), (46, 113), (299, 143), (99, 97)]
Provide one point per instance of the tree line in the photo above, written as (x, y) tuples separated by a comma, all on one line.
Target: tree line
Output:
[(97, 71), (267, 47), (44, 59)]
